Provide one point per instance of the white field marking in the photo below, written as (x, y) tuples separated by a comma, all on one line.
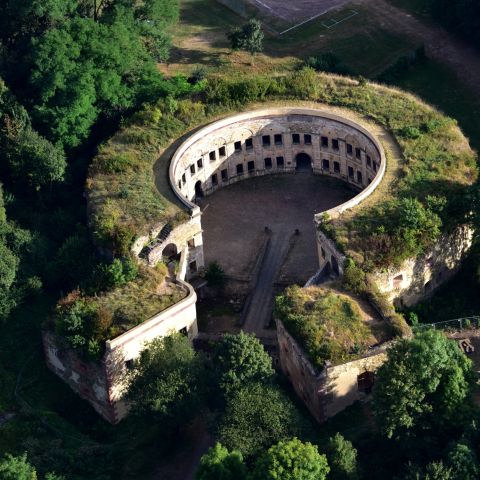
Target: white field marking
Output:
[(334, 22), (264, 5), (302, 23)]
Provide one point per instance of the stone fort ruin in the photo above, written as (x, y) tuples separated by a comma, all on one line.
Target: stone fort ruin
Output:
[(277, 140)]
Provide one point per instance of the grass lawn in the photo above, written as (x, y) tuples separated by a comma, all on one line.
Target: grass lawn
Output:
[(439, 86), (200, 40)]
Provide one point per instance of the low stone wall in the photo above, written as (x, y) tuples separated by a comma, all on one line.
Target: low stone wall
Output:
[(102, 383), (326, 392)]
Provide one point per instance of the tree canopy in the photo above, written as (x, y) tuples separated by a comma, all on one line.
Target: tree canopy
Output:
[(239, 359), (291, 460), (256, 416), (168, 381), (220, 464), (425, 384)]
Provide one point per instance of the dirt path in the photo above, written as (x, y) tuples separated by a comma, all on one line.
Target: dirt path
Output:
[(439, 44)]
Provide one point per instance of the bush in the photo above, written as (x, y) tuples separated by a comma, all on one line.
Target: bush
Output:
[(215, 275)]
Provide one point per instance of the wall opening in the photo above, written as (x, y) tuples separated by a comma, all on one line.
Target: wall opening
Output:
[(198, 189), (304, 162), (365, 382)]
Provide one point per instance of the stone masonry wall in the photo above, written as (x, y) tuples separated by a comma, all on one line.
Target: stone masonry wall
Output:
[(330, 391), (102, 383)]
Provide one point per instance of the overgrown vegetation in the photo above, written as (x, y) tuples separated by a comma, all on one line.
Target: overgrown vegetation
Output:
[(328, 325), (87, 321), (427, 198)]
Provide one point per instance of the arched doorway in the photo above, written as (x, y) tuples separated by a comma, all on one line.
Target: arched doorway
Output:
[(198, 189), (170, 252), (304, 162)]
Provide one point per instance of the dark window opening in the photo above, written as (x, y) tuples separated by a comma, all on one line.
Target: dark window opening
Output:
[(278, 139), (369, 161), (191, 243), (336, 167), (184, 331), (358, 153), (213, 156), (335, 144), (280, 161), (268, 163), (325, 164), (324, 141), (192, 169), (324, 255), (295, 138), (365, 382), (223, 152), (249, 143), (179, 184), (238, 146), (359, 177), (349, 149), (266, 140), (200, 163), (193, 267), (184, 179), (240, 169), (375, 167), (214, 179), (251, 166), (350, 172), (224, 174), (307, 139)]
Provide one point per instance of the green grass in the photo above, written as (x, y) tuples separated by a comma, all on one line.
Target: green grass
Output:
[(439, 86)]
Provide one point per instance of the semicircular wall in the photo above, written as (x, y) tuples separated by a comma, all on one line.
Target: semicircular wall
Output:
[(277, 140)]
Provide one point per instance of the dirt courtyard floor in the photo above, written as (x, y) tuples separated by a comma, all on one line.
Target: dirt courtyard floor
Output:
[(234, 220), (297, 11)]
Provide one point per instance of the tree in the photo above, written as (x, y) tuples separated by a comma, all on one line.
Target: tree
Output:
[(168, 382), (215, 275), (433, 471), (463, 462), (84, 68), (249, 37), (342, 458), (424, 385), (220, 464), (239, 359), (16, 468), (256, 416), (34, 160), (291, 460)]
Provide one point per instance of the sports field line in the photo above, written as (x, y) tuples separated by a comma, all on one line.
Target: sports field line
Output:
[(336, 22), (302, 23)]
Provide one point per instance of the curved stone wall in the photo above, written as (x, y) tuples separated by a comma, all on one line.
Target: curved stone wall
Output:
[(277, 140)]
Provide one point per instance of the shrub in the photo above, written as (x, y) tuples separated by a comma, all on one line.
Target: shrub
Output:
[(215, 275)]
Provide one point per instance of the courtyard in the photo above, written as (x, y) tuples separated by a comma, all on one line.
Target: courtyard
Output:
[(238, 219)]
